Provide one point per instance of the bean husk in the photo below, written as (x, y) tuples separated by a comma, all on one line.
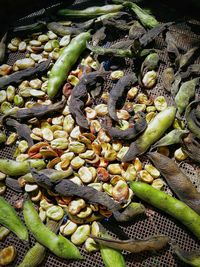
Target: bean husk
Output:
[(185, 93), (136, 31), (135, 246), (3, 48), (173, 137), (150, 35), (80, 94), (39, 111), (145, 18), (22, 129), (111, 257), (118, 94), (37, 253), (177, 180), (191, 147), (130, 133), (68, 188), (17, 168), (168, 78), (90, 12), (192, 118), (19, 76), (111, 52), (61, 30), (190, 257), (129, 213), (155, 129), (13, 184), (185, 59)]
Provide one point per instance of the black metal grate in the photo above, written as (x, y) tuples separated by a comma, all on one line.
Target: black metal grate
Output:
[(155, 223)]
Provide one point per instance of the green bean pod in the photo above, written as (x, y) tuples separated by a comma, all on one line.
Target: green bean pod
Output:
[(10, 219), (65, 62), (59, 245), (34, 256), (110, 256), (168, 204), (17, 168), (155, 129), (185, 93), (90, 12), (145, 18)]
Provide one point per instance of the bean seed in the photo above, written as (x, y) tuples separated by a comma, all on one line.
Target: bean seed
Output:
[(77, 162), (69, 228), (3, 96), (55, 213), (85, 175), (81, 234), (116, 75)]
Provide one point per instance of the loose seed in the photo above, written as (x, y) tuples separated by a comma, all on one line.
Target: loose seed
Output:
[(81, 234)]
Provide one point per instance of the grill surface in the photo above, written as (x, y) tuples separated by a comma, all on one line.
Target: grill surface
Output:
[(156, 222)]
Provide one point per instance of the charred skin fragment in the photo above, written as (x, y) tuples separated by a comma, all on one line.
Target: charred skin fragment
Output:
[(68, 188), (22, 129), (135, 246), (153, 33), (191, 147), (80, 94), (118, 94), (130, 133), (40, 111), (13, 184), (19, 76), (177, 180)]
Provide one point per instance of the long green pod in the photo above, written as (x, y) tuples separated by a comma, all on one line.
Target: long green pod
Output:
[(190, 257), (145, 18), (10, 219), (90, 12), (65, 62), (168, 204), (185, 93), (173, 137), (17, 168), (110, 256), (155, 129), (59, 245), (36, 254)]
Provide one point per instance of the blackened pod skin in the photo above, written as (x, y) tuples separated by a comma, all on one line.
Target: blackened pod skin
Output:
[(168, 204), (10, 219), (177, 180), (59, 245)]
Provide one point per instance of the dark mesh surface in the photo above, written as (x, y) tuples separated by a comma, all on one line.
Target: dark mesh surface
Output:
[(156, 222)]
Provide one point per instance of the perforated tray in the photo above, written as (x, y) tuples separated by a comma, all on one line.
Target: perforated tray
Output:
[(156, 222)]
